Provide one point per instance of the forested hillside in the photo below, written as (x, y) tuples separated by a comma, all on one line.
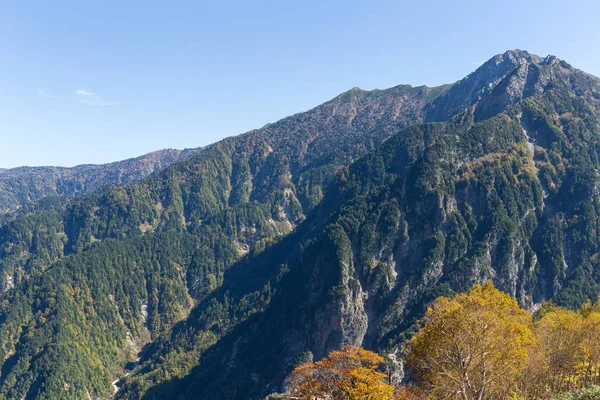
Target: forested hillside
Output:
[(331, 227), (21, 186)]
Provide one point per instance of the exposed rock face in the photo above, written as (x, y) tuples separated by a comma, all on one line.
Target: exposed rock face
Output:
[(499, 83), (343, 321), (8, 283)]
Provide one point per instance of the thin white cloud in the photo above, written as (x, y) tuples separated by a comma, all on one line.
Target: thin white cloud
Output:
[(84, 97), (42, 92), (93, 99), (85, 93)]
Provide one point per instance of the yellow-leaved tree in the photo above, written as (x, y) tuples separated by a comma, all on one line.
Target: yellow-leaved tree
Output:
[(591, 344), (349, 373), (568, 342), (472, 347)]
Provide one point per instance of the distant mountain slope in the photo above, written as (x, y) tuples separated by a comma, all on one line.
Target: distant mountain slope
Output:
[(328, 227), (20, 186)]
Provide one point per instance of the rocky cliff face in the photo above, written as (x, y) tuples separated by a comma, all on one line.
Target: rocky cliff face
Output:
[(503, 81)]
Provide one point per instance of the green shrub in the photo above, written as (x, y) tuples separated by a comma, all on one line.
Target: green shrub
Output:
[(591, 393)]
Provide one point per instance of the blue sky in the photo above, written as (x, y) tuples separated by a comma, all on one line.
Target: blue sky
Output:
[(92, 82)]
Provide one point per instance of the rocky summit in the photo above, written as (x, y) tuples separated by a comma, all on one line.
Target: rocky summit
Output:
[(217, 274)]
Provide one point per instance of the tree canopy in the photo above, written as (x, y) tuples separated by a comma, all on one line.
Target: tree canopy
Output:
[(482, 345), (349, 373), (471, 345)]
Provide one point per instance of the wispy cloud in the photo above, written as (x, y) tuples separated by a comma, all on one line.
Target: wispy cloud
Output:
[(82, 96), (42, 92), (93, 99), (477, 63), (85, 93)]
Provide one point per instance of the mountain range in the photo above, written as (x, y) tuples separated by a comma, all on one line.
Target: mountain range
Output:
[(211, 273), (23, 185)]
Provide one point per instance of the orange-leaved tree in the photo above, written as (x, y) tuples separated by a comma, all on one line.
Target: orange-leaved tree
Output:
[(473, 346), (409, 392), (349, 373)]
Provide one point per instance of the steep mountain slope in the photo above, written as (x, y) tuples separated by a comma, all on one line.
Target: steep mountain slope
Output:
[(270, 238), (20, 186), (435, 209), (234, 198), (283, 166)]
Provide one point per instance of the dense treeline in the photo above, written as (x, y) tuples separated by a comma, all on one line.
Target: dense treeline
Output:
[(111, 300)]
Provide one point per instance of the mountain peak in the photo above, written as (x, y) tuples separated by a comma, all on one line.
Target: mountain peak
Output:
[(500, 64), (521, 55), (500, 82)]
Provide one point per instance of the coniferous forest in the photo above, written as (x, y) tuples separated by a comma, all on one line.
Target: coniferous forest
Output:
[(410, 243)]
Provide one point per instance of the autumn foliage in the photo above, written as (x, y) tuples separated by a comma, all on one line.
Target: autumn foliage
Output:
[(350, 373), (471, 345), (482, 345), (479, 345), (566, 355)]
